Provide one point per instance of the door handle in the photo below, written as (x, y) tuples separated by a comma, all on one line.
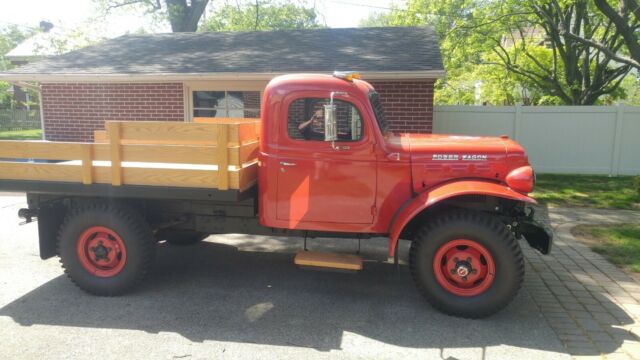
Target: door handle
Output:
[(340, 147), (284, 163)]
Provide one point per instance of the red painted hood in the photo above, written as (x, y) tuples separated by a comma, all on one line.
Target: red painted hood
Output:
[(440, 158)]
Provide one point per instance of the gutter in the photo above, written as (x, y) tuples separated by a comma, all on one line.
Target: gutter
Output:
[(163, 77)]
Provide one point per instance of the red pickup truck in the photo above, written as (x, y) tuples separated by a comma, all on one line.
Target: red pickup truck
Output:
[(325, 165)]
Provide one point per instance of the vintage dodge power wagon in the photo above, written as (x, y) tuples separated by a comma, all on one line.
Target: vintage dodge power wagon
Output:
[(321, 162)]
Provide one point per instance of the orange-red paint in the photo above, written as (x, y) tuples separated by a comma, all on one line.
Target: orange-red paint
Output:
[(446, 191), (521, 179), (381, 181)]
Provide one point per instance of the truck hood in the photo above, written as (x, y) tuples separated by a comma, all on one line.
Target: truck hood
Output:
[(437, 159)]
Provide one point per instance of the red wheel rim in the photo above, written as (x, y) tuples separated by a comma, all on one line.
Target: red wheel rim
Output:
[(464, 267), (101, 251)]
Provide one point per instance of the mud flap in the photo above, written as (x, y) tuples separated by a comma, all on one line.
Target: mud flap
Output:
[(50, 217), (539, 236)]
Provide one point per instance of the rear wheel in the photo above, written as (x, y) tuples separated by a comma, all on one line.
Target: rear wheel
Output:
[(467, 264), (105, 249)]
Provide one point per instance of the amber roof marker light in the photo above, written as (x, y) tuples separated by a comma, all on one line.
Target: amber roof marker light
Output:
[(347, 75)]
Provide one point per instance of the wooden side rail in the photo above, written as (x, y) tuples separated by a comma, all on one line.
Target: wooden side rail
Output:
[(208, 155)]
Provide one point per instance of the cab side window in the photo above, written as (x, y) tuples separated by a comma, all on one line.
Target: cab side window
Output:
[(306, 120)]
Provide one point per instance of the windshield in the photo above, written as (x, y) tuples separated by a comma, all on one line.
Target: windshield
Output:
[(378, 111)]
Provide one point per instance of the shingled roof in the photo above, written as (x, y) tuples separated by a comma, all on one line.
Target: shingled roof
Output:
[(391, 51)]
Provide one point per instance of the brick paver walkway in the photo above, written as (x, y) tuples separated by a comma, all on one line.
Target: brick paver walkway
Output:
[(593, 306)]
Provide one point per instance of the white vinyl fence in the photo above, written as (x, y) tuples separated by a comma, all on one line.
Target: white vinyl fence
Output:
[(558, 139)]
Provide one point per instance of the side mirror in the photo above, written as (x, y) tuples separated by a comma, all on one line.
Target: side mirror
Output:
[(330, 123)]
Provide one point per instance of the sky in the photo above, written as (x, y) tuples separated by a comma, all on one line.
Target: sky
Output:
[(69, 14)]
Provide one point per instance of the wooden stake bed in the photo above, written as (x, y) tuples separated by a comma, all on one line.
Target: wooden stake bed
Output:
[(209, 153)]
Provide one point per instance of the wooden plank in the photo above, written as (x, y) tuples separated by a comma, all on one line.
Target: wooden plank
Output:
[(169, 132), (328, 260), (179, 154), (45, 172), (242, 133), (248, 153), (87, 164), (223, 156), (247, 177), (161, 177), (114, 131), (255, 122), (247, 133), (44, 150), (100, 136), (209, 120)]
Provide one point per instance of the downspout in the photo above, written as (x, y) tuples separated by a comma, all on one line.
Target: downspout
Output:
[(37, 89)]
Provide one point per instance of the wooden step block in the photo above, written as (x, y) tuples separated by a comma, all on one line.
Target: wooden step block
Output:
[(328, 260)]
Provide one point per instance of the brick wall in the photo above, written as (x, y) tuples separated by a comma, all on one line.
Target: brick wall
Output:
[(408, 104), (72, 111)]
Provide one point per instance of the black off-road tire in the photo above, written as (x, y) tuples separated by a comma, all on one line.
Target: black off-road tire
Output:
[(135, 234), (181, 237), (485, 230)]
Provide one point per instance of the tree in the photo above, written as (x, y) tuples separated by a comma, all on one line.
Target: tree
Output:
[(183, 15), (10, 37), (276, 15), (577, 74), (626, 20), (516, 33)]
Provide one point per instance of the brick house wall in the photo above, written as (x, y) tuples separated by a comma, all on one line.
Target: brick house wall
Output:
[(72, 111), (407, 104)]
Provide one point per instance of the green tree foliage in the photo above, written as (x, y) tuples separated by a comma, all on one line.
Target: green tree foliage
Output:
[(518, 51), (274, 15), (10, 37)]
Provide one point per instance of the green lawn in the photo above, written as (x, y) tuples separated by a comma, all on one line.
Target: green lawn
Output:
[(620, 244), (592, 191), (21, 135)]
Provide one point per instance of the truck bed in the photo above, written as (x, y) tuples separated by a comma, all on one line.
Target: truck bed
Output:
[(209, 156)]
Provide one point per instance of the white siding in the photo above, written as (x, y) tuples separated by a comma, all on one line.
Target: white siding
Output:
[(558, 139)]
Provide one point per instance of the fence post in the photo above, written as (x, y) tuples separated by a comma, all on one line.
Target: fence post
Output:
[(517, 123), (617, 142)]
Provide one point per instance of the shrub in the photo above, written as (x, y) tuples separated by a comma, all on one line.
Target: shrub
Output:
[(636, 184)]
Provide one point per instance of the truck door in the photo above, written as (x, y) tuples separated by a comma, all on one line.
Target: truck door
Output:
[(318, 182)]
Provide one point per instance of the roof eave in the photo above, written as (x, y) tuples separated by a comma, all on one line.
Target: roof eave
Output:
[(157, 77)]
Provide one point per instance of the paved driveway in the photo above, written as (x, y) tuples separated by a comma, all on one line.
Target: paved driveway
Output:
[(237, 296)]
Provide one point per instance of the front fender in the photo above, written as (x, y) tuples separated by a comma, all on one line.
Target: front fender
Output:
[(428, 198)]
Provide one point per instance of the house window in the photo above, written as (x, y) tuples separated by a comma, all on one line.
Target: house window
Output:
[(227, 104)]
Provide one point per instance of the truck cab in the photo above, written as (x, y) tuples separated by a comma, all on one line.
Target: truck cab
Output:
[(360, 180)]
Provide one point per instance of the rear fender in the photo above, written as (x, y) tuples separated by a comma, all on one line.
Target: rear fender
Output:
[(429, 198)]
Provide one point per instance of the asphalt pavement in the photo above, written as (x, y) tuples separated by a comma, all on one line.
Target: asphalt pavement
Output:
[(236, 296)]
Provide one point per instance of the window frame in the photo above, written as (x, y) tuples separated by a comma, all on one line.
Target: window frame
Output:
[(320, 98), (219, 85), (226, 107)]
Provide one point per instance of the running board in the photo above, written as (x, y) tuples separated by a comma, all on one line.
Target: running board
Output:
[(324, 260)]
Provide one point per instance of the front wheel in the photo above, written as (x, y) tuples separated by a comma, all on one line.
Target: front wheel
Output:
[(467, 264)]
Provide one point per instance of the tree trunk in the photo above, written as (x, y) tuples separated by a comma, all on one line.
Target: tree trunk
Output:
[(184, 17)]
